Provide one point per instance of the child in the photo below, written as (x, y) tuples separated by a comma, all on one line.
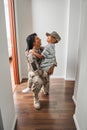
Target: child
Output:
[(48, 55)]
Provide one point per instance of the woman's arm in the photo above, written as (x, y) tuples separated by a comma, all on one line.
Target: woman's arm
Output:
[(34, 65), (36, 54)]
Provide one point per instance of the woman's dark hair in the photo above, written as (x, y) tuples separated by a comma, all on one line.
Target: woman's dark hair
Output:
[(30, 40)]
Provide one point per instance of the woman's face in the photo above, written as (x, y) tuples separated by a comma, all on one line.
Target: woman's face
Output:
[(37, 42)]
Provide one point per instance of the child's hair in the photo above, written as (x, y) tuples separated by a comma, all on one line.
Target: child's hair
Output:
[(30, 40)]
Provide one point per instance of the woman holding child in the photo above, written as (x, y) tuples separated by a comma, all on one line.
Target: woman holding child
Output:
[(41, 62)]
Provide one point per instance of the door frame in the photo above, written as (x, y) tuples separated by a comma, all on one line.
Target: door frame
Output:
[(13, 41)]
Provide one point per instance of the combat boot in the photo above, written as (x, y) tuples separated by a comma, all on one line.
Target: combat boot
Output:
[(36, 103)]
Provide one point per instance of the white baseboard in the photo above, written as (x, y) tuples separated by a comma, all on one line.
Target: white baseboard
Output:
[(61, 77), (74, 100), (14, 123), (76, 122), (70, 79), (56, 77)]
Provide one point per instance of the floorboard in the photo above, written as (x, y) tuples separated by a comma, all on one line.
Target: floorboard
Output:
[(56, 111)]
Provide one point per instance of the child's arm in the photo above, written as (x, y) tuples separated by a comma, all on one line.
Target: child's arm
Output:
[(36, 54)]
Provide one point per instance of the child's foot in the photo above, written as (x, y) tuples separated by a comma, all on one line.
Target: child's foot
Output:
[(26, 90)]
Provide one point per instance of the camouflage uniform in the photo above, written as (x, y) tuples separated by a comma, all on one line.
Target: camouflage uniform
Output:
[(36, 76)]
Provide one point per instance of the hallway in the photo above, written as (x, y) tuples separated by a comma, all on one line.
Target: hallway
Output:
[(56, 111)]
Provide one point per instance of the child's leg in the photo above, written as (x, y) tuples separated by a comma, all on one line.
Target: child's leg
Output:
[(51, 70)]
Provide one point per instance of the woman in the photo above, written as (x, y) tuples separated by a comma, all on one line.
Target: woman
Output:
[(36, 76)]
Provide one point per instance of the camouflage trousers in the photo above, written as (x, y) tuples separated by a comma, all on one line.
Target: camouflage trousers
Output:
[(37, 82)]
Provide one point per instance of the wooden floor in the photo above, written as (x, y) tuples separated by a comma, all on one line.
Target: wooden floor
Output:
[(56, 111)]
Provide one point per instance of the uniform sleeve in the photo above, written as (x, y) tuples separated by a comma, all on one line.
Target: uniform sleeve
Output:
[(34, 65)]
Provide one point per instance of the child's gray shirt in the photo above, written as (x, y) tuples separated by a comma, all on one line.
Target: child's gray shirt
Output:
[(49, 57)]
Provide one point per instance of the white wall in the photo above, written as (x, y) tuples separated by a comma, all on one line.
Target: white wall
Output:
[(6, 96), (73, 34), (43, 16), (80, 116), (23, 29), (48, 16)]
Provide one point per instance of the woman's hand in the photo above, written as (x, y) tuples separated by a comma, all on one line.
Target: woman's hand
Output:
[(40, 57), (36, 54)]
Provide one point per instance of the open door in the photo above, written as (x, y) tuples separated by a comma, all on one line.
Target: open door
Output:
[(13, 42)]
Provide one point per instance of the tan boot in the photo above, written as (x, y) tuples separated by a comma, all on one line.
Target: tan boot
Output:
[(36, 103), (26, 90)]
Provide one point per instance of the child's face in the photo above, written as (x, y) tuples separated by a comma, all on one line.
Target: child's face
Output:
[(51, 39)]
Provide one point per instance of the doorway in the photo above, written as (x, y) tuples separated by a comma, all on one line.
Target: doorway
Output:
[(12, 43)]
